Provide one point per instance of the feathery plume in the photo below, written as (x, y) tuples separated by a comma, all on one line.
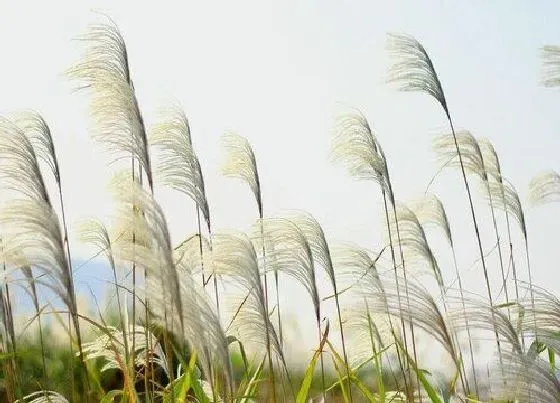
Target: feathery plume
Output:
[(355, 147), (551, 63), (240, 162), (235, 258), (414, 244), (414, 70), (504, 196), (104, 72), (43, 396), (544, 188), (20, 168), (37, 130), (175, 301), (525, 379), (178, 166), (289, 249), (471, 155)]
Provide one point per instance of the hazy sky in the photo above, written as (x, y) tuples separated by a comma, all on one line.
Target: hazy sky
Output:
[(277, 74)]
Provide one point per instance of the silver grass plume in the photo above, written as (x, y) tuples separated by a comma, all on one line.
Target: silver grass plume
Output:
[(95, 233), (7, 330), (31, 290), (502, 196), (37, 130), (490, 159), (188, 254), (202, 331), (33, 229), (288, 249), (117, 122), (178, 166), (103, 71), (20, 168), (356, 147), (483, 316), (43, 396), (551, 62), (542, 317), (175, 301), (505, 197), (241, 163), (32, 224), (151, 249), (448, 148), (358, 266), (423, 311), (526, 379), (113, 347), (544, 188), (471, 154), (234, 257), (146, 244), (504, 191), (315, 236), (414, 243), (431, 213), (418, 255), (414, 71)]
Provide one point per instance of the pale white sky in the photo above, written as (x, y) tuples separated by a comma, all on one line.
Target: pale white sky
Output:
[(277, 74)]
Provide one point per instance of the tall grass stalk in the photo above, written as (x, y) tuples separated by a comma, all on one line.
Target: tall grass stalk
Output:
[(430, 211), (498, 191), (414, 71), (356, 147), (322, 255), (291, 253), (240, 162), (405, 276), (37, 129), (32, 287)]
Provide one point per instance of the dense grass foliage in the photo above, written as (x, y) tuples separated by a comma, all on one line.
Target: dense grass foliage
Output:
[(200, 319)]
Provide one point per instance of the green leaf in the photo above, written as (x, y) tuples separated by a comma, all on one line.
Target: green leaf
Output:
[(253, 383), (111, 395), (340, 367), (552, 359), (199, 391), (182, 385), (308, 378), (432, 394), (233, 339)]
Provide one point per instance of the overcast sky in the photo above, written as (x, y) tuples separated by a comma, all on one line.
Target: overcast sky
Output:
[(278, 74)]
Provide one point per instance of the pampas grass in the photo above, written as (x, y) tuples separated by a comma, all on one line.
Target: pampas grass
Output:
[(176, 348)]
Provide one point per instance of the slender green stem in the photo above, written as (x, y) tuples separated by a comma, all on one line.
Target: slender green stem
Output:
[(321, 357), (345, 355)]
